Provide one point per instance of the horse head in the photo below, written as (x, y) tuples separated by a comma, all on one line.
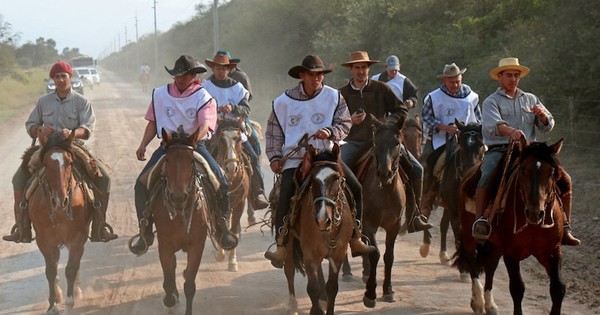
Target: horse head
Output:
[(57, 159), (229, 137), (386, 149), (538, 171), (326, 186), (179, 166), (412, 136), (470, 143)]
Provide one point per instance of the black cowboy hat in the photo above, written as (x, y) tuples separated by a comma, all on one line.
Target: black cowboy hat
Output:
[(186, 64), (311, 63)]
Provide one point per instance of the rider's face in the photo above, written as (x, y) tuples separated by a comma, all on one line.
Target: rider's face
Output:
[(220, 72), (62, 81)]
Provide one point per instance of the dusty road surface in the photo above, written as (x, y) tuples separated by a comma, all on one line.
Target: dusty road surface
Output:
[(114, 281)]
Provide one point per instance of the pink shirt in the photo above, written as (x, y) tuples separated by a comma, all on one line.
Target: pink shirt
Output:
[(208, 113)]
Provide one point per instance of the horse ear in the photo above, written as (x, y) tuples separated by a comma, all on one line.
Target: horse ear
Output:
[(557, 146), (71, 136), (336, 151), (522, 144), (459, 124), (193, 137), (42, 137), (165, 135)]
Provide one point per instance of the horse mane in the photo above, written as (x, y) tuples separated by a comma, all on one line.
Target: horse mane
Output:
[(226, 124), (472, 126), (56, 140), (180, 137)]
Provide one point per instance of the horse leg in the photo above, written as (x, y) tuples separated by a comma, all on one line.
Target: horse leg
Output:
[(490, 263), (289, 269), (444, 225), (332, 288), (557, 287), (424, 249), (313, 287), (370, 271), (51, 256), (236, 228), (346, 270), (388, 260), (515, 283), (323, 298), (72, 270), (250, 212), (366, 261), (168, 261), (194, 257)]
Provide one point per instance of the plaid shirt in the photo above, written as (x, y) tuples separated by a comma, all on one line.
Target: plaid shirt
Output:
[(275, 138), (428, 117)]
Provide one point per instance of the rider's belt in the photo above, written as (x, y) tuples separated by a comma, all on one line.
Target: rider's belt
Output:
[(496, 147)]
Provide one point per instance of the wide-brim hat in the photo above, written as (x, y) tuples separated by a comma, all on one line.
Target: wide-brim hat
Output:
[(310, 63), (220, 59), (509, 64), (186, 64), (450, 71), (359, 56), (226, 53)]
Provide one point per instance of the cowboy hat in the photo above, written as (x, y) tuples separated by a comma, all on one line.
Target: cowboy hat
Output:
[(451, 70), (222, 60), (226, 53), (310, 63), (359, 56), (506, 64), (184, 65)]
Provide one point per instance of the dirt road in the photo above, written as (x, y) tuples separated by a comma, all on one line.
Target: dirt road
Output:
[(116, 282)]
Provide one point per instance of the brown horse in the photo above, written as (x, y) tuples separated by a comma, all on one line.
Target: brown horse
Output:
[(321, 228), (468, 151), (384, 204), (230, 156), (60, 213), (531, 223), (179, 205), (412, 136)]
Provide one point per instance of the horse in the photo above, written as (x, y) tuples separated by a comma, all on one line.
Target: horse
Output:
[(412, 136), (321, 228), (144, 79), (60, 213), (531, 223), (468, 152), (180, 201), (384, 205), (230, 156)]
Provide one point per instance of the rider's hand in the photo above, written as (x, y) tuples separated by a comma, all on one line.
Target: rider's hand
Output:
[(322, 133), (409, 104), (226, 109), (47, 130), (141, 153), (357, 117), (449, 129), (276, 166), (540, 111), (66, 132)]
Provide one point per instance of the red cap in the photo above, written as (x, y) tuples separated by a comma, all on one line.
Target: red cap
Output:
[(60, 67)]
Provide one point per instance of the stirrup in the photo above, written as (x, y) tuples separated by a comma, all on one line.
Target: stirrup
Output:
[(132, 249), (477, 231)]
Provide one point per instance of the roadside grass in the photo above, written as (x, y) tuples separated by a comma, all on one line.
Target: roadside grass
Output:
[(17, 96)]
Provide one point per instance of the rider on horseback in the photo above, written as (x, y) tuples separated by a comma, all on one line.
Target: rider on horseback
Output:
[(308, 107), (169, 109), (452, 101), (52, 114), (232, 102), (511, 114), (372, 97)]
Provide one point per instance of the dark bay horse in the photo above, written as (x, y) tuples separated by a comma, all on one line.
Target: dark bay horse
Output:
[(384, 200), (180, 208), (321, 229), (237, 165), (531, 223), (61, 215), (468, 151), (412, 136)]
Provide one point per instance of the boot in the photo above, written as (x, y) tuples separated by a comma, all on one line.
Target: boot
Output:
[(21, 231), (419, 221), (481, 229), (568, 238), (226, 239), (277, 257), (145, 238), (101, 231), (258, 196), (357, 247)]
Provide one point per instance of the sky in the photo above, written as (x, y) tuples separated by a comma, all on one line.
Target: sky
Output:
[(96, 27)]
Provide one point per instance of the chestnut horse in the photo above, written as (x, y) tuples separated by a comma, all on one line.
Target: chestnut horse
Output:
[(469, 151), (321, 228), (230, 156), (412, 136), (180, 208), (60, 213), (531, 223)]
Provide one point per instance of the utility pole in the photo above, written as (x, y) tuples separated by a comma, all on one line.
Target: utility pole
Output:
[(155, 40), (137, 42), (216, 25)]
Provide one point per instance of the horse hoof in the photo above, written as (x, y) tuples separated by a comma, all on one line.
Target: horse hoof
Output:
[(220, 255), (389, 298), (69, 302), (170, 300), (370, 303), (348, 277), (424, 250), (52, 310), (232, 267), (251, 220), (444, 258), (477, 309)]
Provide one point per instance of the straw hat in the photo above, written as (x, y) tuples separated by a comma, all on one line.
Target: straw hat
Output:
[(506, 64), (359, 56), (451, 71)]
